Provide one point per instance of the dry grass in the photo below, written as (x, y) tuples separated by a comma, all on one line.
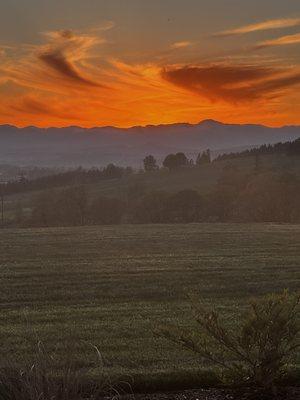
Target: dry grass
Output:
[(47, 376)]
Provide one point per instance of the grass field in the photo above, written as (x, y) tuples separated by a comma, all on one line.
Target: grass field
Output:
[(111, 286)]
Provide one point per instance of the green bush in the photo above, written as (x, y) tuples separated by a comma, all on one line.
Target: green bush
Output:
[(257, 352)]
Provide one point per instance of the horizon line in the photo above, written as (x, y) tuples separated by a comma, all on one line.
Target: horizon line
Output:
[(149, 125)]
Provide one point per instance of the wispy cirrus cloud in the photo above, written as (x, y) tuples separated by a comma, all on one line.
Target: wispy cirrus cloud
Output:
[(261, 26), (233, 83), (59, 65), (32, 105), (102, 27), (73, 77), (280, 41), (4, 49), (64, 50), (181, 44)]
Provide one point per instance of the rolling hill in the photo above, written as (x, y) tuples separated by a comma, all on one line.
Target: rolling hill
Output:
[(201, 179)]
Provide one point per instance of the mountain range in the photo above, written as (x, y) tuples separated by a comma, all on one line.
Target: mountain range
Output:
[(73, 146)]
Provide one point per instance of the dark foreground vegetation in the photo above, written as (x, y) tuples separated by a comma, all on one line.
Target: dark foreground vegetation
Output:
[(253, 359), (254, 355), (240, 187), (39, 378), (74, 289)]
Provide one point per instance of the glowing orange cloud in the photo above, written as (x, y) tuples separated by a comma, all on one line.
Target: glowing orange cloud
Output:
[(71, 80), (181, 44), (281, 41), (261, 26)]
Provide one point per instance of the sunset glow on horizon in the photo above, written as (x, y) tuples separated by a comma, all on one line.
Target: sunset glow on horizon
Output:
[(184, 61)]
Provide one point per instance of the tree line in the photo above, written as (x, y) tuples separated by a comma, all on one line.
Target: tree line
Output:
[(175, 161), (171, 162), (66, 198), (80, 175), (236, 197), (291, 148), (72, 177)]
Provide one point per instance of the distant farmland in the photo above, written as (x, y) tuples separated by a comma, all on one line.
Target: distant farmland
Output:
[(112, 286)]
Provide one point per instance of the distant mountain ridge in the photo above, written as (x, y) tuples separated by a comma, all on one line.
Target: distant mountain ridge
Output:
[(74, 146)]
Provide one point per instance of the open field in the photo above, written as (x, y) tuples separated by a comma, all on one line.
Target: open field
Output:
[(111, 286)]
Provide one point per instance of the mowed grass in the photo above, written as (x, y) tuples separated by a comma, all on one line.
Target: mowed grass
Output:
[(112, 286)]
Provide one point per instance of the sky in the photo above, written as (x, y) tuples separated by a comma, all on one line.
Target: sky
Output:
[(139, 62)]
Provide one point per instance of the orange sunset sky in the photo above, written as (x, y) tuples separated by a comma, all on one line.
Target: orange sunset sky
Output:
[(136, 62)]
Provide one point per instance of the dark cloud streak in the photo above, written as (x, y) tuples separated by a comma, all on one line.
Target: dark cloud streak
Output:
[(232, 83), (33, 106), (59, 63)]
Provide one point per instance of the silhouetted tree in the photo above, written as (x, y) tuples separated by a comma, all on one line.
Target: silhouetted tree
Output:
[(288, 148), (150, 163), (112, 171), (175, 161)]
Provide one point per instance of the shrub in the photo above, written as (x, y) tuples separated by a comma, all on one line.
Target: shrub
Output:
[(257, 352)]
